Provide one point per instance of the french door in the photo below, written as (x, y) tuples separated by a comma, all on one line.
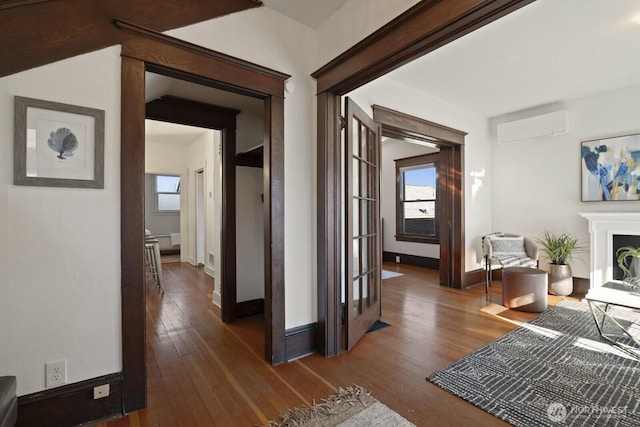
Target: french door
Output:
[(363, 251)]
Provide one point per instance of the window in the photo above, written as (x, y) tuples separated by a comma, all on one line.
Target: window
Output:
[(168, 193), (417, 199)]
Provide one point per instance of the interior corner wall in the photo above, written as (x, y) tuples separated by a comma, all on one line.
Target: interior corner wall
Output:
[(391, 151), (249, 234), (249, 131), (270, 39), (213, 207), (60, 281), (477, 184), (196, 160), (536, 182)]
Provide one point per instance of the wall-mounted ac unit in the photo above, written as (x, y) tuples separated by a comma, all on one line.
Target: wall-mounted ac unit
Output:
[(542, 126)]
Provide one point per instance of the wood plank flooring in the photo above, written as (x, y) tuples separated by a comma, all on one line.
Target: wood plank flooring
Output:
[(202, 372)]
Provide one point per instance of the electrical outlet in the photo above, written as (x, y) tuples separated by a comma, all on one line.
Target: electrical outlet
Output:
[(56, 373), (397, 259), (101, 391)]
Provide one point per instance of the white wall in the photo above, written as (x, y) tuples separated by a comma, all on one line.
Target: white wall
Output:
[(60, 282), (270, 39), (249, 234), (392, 150), (477, 185), (160, 224), (249, 131), (536, 183), (163, 157), (352, 23), (196, 160), (70, 307), (213, 207), (171, 159)]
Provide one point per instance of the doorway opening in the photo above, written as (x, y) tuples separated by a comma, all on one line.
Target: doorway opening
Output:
[(164, 55)]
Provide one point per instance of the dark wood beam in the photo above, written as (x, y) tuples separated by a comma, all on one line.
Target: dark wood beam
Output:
[(423, 28), (36, 33)]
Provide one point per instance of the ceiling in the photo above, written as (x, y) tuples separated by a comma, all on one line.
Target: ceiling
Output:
[(548, 51), (310, 12), (171, 133)]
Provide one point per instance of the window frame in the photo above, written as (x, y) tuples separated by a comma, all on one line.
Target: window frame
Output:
[(423, 159), (158, 193)]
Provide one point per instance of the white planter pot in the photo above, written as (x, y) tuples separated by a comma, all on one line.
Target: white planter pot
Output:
[(560, 280)]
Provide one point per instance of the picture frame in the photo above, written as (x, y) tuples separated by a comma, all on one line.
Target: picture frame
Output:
[(57, 145), (611, 169)]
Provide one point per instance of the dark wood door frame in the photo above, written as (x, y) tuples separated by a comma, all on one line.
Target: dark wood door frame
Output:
[(450, 183), (423, 28), (187, 112), (155, 51)]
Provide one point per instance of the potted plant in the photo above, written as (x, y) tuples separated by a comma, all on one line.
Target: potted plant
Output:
[(629, 262), (560, 250)]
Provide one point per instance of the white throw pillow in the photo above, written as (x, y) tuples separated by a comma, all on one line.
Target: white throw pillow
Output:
[(508, 246)]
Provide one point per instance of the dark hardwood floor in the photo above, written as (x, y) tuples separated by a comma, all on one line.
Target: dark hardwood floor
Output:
[(202, 372)]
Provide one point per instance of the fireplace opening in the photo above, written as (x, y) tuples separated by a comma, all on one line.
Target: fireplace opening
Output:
[(619, 241)]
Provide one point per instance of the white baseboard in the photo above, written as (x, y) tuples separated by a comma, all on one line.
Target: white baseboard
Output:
[(217, 298), (192, 261), (209, 271)]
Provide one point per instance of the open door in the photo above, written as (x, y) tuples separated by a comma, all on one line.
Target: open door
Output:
[(362, 223)]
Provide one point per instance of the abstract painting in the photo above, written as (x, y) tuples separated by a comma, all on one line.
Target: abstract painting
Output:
[(58, 145), (611, 169)]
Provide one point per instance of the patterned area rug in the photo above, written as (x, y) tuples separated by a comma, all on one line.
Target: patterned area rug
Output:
[(552, 370), (350, 407)]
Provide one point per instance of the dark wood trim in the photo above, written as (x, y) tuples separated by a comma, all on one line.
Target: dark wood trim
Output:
[(474, 277), (415, 260), (300, 341), (153, 55), (132, 188), (421, 29), (580, 286), (422, 159), (169, 251), (328, 225), (250, 308), (72, 404), (253, 158), (456, 228), (406, 125), (7, 4), (166, 40), (273, 204), (228, 232), (178, 110), (215, 69), (184, 111), (450, 185), (32, 33)]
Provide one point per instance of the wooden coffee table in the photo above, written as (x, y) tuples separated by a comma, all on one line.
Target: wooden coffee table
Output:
[(616, 294)]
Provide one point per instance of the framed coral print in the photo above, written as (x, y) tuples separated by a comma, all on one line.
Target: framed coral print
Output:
[(611, 169), (58, 145)]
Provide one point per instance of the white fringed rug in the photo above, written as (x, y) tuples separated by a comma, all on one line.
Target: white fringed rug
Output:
[(349, 407)]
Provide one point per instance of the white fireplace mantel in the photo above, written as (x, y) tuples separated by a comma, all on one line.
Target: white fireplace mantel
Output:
[(602, 227)]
